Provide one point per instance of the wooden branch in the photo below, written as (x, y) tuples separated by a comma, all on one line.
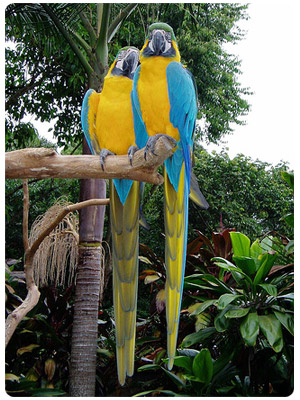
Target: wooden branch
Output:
[(33, 293), (25, 214), (46, 163)]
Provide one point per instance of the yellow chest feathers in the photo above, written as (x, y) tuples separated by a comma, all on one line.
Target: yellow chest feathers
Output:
[(153, 95), (114, 121)]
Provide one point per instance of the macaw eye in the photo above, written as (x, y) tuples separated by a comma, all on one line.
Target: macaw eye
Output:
[(121, 55), (150, 35), (168, 36)]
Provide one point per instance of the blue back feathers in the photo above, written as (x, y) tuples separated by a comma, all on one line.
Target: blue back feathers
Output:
[(84, 118)]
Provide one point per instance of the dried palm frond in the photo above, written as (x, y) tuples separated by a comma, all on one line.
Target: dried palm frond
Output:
[(56, 258)]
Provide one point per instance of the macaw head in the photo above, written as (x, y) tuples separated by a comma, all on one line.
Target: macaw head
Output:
[(125, 63), (161, 42)]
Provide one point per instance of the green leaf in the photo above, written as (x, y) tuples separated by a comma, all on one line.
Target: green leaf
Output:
[(237, 312), (289, 248), (105, 352), (221, 323), (174, 378), (270, 289), (147, 339), (249, 329), (226, 299), (267, 262), (212, 280), (271, 328), (246, 264), (203, 366), (184, 362), (267, 244), (255, 249), (289, 178), (198, 337), (193, 378), (289, 219), (191, 353), (166, 392), (238, 275), (202, 321), (287, 320), (43, 392), (281, 309), (203, 306), (223, 261), (148, 367), (223, 391), (240, 244)]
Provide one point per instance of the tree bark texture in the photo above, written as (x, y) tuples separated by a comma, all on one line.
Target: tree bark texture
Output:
[(89, 283), (85, 322), (89, 230)]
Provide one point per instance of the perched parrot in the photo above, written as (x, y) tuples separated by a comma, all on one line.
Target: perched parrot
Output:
[(107, 123), (164, 102)]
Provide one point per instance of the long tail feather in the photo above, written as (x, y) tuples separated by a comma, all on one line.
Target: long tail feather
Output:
[(176, 215), (125, 227)]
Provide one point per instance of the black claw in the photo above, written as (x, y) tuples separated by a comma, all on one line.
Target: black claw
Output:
[(150, 145), (103, 154), (132, 149)]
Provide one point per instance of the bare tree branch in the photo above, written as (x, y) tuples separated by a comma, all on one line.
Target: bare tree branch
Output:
[(46, 163)]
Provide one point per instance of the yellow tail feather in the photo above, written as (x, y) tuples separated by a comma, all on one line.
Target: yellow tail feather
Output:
[(175, 215), (125, 225)]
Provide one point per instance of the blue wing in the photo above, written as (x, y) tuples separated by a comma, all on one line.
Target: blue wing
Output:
[(88, 119), (183, 101), (183, 114), (141, 135)]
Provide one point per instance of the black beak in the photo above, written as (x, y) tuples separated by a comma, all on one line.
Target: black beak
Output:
[(158, 42), (130, 63)]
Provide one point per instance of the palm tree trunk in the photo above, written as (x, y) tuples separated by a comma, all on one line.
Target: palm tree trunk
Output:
[(85, 332), (89, 283)]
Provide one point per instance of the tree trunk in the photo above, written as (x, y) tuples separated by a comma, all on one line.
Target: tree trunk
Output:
[(85, 332), (88, 285)]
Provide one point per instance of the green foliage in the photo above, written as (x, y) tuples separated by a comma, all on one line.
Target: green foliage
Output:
[(197, 375), (38, 353), (239, 315), (47, 80), (247, 195), (253, 308), (45, 87), (201, 31)]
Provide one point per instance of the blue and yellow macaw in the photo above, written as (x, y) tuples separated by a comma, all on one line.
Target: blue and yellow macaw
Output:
[(165, 102), (107, 123)]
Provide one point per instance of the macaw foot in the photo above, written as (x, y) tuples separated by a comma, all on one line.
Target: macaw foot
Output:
[(132, 149), (150, 145), (103, 154)]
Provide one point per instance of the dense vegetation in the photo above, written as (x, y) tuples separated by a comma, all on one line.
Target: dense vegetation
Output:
[(236, 329), (212, 288)]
